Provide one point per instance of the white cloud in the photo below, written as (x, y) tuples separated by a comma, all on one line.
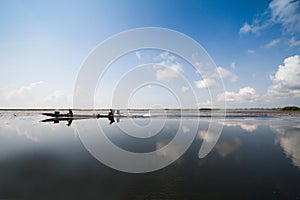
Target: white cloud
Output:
[(250, 51), (166, 56), (213, 79), (138, 55), (171, 69), (29, 95), (245, 28), (206, 83), (34, 95), (283, 12), (169, 72), (286, 85), (205, 103), (57, 98), (184, 89), (246, 94), (24, 91), (255, 27), (294, 42), (286, 13), (233, 65), (286, 81), (272, 43), (226, 74)]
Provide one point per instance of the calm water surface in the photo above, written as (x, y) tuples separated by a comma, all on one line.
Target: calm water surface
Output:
[(254, 158)]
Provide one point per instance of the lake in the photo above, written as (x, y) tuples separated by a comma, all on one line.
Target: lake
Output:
[(257, 156)]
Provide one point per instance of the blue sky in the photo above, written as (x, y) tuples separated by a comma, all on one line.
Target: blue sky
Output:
[(44, 43)]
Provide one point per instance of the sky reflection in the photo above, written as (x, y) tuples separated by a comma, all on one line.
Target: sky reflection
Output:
[(266, 161)]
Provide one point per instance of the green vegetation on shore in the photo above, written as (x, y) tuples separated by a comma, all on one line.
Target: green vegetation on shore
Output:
[(290, 108), (205, 109)]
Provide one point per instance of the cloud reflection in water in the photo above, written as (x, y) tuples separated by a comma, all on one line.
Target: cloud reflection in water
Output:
[(64, 165), (289, 139)]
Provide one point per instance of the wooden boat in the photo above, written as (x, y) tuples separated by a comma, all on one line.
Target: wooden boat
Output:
[(56, 117)]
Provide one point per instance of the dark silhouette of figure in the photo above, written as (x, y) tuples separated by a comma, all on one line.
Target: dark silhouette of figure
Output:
[(69, 122), (70, 112), (111, 116)]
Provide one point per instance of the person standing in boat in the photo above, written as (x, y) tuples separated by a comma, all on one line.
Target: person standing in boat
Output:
[(111, 116), (70, 112)]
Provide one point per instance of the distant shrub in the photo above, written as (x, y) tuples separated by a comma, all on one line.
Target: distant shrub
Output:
[(290, 108)]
